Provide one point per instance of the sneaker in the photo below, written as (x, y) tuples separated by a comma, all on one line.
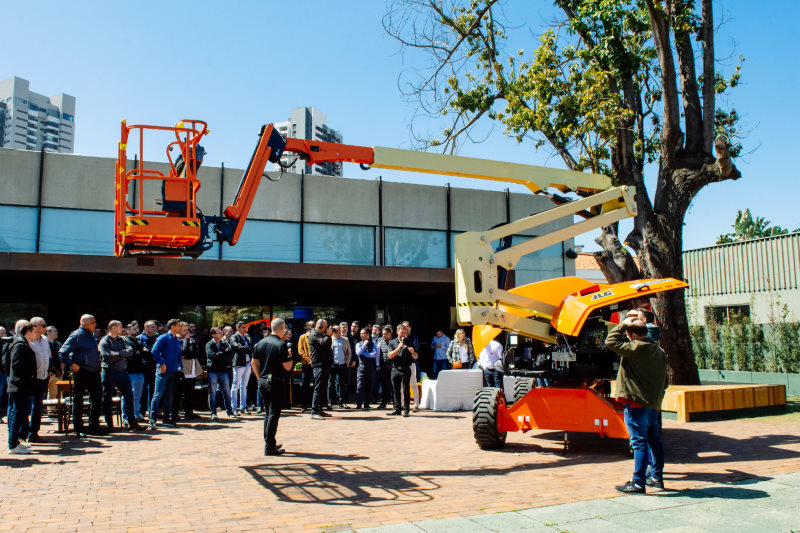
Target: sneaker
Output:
[(214, 417), (19, 450), (654, 483), (152, 424), (630, 488), (233, 414), (343, 406), (317, 416), (168, 424)]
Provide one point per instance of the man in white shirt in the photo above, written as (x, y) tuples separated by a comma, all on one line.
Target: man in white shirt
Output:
[(490, 355), (41, 347)]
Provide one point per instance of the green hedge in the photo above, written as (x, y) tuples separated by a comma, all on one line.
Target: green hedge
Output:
[(739, 344)]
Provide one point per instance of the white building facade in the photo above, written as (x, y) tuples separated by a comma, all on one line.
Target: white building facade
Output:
[(312, 124), (31, 121)]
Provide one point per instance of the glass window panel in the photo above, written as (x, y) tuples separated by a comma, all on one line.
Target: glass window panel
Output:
[(77, 232), (263, 240), (547, 263), (18, 231), (417, 248), (345, 245)]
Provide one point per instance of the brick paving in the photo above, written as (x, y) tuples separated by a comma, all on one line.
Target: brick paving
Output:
[(356, 470)]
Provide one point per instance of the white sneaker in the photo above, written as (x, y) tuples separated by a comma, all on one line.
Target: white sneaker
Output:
[(19, 450), (25, 445)]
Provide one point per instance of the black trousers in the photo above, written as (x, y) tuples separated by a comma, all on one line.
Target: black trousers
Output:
[(85, 380), (366, 376), (306, 386), (148, 388), (184, 390), (272, 392), (319, 400), (401, 378)]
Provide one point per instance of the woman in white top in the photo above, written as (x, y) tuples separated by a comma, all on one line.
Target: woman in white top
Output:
[(460, 353)]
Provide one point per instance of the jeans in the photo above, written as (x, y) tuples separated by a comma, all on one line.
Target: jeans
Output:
[(337, 391), (19, 407), (121, 381), (223, 379), (273, 392), (493, 378), (36, 408), (241, 375), (438, 366), (400, 383), (367, 372), (385, 381), (642, 424), (164, 390), (542, 382), (319, 400), (137, 385), (86, 380)]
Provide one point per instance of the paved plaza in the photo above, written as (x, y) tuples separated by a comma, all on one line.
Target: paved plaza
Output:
[(424, 473)]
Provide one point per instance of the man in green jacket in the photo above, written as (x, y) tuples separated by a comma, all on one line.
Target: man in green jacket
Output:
[(641, 382)]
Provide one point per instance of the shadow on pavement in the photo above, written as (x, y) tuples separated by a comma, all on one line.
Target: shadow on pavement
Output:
[(335, 484)]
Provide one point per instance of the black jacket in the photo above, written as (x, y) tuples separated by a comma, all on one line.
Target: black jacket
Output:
[(241, 349), (136, 360), (218, 358), (319, 346), (22, 375)]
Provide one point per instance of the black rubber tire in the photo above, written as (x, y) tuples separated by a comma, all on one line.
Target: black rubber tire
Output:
[(522, 386), (484, 418)]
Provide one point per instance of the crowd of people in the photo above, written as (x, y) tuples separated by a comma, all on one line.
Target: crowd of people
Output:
[(154, 369)]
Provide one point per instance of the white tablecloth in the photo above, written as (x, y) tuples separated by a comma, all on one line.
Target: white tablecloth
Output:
[(455, 390), (452, 390)]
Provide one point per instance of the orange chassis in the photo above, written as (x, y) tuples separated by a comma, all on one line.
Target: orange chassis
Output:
[(583, 409)]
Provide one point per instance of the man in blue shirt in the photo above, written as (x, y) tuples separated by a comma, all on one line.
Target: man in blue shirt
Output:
[(367, 353), (440, 344), (81, 355), (167, 357)]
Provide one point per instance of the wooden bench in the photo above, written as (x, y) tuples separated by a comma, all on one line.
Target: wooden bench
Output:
[(693, 402)]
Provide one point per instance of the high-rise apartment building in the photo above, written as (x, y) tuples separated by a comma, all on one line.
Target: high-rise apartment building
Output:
[(31, 121), (309, 123)]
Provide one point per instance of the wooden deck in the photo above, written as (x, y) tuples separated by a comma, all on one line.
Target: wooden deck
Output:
[(688, 400)]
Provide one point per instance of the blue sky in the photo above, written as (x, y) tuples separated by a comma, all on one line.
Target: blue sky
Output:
[(238, 65)]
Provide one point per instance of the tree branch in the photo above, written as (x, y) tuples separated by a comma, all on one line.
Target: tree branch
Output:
[(671, 131), (708, 75), (691, 96)]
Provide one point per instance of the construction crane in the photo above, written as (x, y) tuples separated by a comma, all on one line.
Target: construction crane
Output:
[(560, 321)]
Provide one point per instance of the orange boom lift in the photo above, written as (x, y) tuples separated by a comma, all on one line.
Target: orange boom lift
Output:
[(555, 328)]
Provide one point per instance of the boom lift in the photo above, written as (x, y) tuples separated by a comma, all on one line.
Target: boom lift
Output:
[(555, 325)]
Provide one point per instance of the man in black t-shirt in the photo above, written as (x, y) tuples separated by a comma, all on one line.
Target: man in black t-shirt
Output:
[(402, 355), (271, 365)]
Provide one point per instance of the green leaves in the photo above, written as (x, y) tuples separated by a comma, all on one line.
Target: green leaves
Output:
[(745, 227)]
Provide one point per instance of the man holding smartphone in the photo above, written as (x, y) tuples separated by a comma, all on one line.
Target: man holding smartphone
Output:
[(402, 356)]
